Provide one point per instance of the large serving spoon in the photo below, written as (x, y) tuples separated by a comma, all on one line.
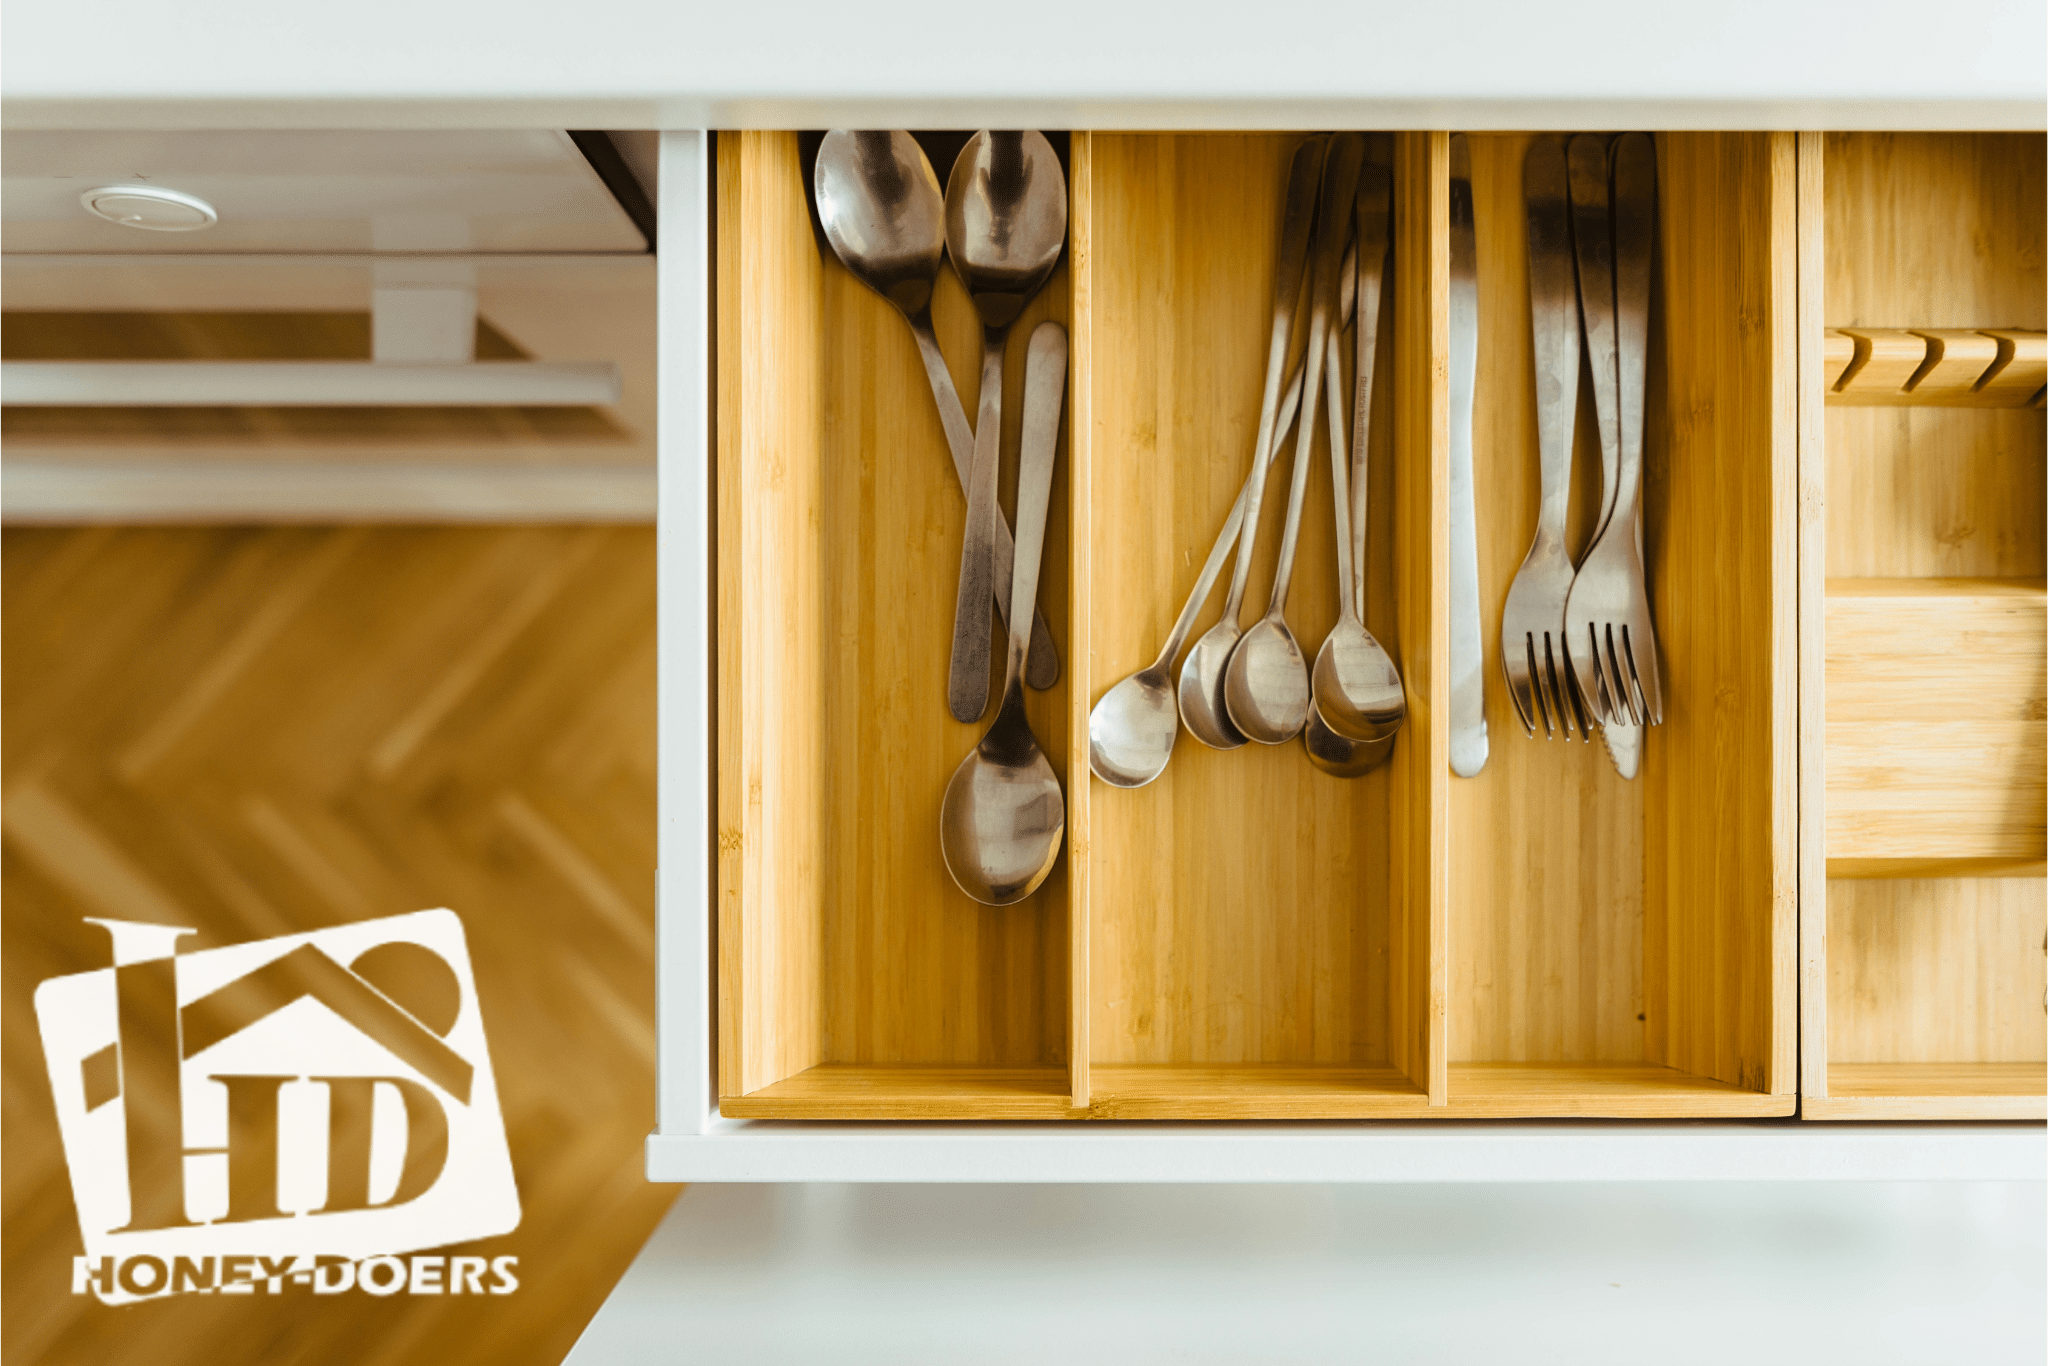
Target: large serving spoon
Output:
[(1003, 815), (885, 218), (1006, 222), (1357, 690), (1202, 705), (1265, 685)]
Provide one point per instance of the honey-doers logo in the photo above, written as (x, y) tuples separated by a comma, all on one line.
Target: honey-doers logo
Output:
[(301, 1109)]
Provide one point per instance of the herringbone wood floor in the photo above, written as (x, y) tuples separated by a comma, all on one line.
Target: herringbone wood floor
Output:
[(263, 731)]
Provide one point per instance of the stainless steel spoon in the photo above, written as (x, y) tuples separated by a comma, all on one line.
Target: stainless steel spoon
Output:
[(1265, 685), (1006, 222), (1133, 726), (1003, 815), (1202, 705), (1334, 754), (1337, 756), (885, 218), (1357, 689)]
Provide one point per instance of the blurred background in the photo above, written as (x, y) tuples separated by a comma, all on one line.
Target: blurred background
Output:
[(274, 664)]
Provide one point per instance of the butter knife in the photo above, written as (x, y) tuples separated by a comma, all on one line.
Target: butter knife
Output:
[(1468, 678)]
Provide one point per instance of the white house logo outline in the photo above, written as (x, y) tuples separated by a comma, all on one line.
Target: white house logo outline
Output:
[(251, 1099)]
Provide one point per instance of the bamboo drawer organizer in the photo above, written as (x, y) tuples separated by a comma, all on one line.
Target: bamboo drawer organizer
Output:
[(1923, 903), (1247, 938)]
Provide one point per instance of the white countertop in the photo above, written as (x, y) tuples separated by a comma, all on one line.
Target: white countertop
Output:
[(1879, 1275), (1435, 1151), (1073, 64)]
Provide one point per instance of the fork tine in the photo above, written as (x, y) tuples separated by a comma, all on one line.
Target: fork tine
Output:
[(1543, 707), (1595, 696), (1546, 685), (1648, 684), (1563, 690), (1624, 673), (1539, 681), (1518, 688)]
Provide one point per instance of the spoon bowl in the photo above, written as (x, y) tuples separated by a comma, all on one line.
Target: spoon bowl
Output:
[(1337, 756), (1006, 220), (883, 213), (1131, 730), (1006, 225), (1358, 690), (1203, 708), (1003, 817), (1266, 684)]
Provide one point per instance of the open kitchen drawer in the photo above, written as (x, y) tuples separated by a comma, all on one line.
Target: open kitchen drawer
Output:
[(1246, 937), (1925, 704)]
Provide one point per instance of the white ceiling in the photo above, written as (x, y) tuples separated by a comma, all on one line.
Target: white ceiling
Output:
[(301, 192)]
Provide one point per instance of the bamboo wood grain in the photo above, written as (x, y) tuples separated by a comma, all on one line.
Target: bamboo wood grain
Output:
[(2021, 368), (1886, 359), (1256, 1091), (842, 939), (1910, 774), (1925, 973), (1936, 367), (1821, 363), (1721, 775), (1602, 1091), (909, 1092), (1839, 348), (1239, 904), (1546, 887), (1419, 931), (1607, 937), (1937, 971), (1934, 1091), (1080, 667)]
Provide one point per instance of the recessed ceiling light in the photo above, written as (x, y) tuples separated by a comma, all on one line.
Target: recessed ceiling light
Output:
[(149, 206)]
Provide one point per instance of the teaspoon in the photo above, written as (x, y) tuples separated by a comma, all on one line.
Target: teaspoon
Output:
[(1265, 685), (1003, 815), (1357, 689), (885, 218), (1202, 705), (1132, 728), (1006, 223)]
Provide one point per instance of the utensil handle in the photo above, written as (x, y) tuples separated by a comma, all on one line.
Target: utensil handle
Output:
[(1554, 334), (1340, 477), (1045, 383), (1593, 246), (1468, 679), (1375, 245), (1304, 175), (967, 684), (1044, 668), (1205, 581), (1635, 226), (1304, 440)]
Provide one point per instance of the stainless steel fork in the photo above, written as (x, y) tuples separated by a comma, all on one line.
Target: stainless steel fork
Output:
[(1532, 642), (1611, 639)]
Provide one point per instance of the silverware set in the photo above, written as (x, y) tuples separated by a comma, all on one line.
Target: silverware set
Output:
[(1578, 645), (1240, 684), (1002, 221)]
